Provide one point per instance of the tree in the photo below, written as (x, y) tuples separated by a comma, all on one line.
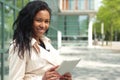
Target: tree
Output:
[(109, 14)]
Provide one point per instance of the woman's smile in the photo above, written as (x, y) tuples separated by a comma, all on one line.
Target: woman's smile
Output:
[(41, 29), (41, 23)]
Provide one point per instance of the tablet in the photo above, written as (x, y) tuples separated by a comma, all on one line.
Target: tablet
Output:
[(67, 66)]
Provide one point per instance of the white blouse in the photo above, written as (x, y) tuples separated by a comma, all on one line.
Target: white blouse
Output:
[(34, 67)]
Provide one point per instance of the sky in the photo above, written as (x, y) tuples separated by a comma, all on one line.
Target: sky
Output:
[(97, 4)]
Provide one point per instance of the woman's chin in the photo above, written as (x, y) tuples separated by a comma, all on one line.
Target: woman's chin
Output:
[(41, 34)]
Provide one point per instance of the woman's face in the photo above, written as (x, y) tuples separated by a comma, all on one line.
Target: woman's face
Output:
[(41, 23)]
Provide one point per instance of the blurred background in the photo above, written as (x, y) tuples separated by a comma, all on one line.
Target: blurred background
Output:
[(79, 28)]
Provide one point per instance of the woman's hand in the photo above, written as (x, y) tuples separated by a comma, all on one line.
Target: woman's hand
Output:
[(66, 76), (51, 74)]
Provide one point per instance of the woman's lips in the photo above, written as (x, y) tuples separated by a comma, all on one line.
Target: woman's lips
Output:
[(41, 30)]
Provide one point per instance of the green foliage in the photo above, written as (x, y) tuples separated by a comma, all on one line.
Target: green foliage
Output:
[(10, 6), (109, 14)]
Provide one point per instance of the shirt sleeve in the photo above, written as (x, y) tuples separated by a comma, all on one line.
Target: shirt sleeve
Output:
[(16, 65)]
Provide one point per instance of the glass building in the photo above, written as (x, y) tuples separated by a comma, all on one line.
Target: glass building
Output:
[(73, 19)]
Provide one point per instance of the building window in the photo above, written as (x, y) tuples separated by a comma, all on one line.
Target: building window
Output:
[(77, 4), (91, 4)]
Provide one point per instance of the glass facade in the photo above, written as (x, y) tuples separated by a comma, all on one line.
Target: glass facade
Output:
[(83, 25), (81, 4), (73, 26), (77, 4), (91, 4), (71, 22)]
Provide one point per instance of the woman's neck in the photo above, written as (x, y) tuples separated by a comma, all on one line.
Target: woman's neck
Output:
[(37, 39)]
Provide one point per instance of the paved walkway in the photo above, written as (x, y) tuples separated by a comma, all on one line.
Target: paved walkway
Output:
[(97, 63), (112, 45)]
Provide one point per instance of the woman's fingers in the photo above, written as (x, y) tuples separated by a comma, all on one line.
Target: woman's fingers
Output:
[(53, 77), (53, 68), (66, 76), (51, 74)]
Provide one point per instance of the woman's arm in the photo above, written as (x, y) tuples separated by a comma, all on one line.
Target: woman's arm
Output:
[(16, 65)]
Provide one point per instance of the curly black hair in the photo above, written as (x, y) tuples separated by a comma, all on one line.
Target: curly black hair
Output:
[(23, 25)]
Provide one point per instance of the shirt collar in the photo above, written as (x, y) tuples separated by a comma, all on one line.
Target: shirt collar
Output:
[(35, 44)]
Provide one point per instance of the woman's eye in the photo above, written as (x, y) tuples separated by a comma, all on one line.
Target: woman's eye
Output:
[(47, 21), (39, 20)]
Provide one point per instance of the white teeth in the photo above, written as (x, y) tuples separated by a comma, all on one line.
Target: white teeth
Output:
[(40, 29)]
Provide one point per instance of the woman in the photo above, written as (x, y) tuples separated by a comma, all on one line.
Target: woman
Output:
[(31, 56)]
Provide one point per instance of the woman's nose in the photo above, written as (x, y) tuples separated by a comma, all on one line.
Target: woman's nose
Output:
[(43, 24)]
